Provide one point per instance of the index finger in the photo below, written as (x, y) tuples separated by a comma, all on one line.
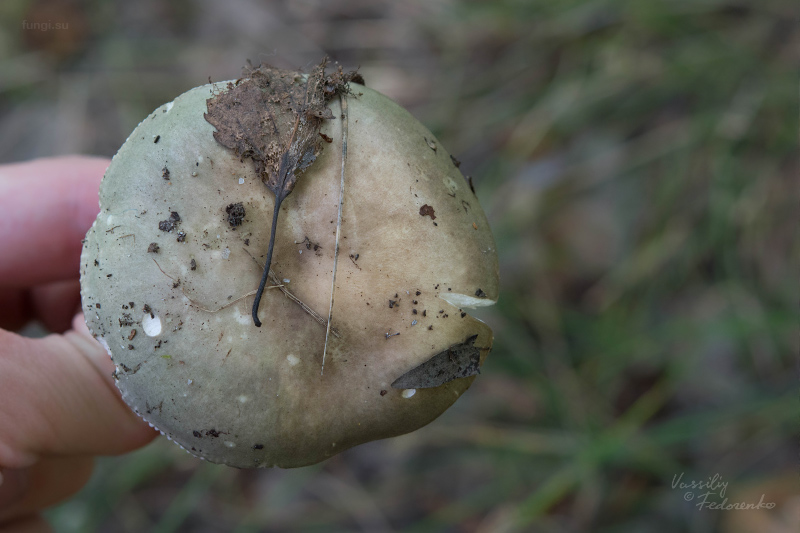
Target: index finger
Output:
[(47, 205), (59, 400)]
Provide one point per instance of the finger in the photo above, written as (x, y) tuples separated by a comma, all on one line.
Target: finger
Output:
[(46, 483), (53, 305), (59, 399), (47, 206), (28, 524), (16, 309)]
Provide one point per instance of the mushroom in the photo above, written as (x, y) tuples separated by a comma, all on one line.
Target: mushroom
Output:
[(379, 251)]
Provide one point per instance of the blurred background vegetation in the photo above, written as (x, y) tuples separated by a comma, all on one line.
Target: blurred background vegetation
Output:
[(638, 163)]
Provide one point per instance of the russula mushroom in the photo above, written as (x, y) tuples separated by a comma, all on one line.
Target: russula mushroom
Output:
[(363, 276)]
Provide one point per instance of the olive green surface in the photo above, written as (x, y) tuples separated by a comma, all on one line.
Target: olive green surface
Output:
[(193, 364)]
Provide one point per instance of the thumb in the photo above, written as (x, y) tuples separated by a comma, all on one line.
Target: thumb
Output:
[(57, 397)]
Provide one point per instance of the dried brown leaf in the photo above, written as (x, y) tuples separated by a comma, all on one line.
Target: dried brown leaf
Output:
[(273, 116), (458, 361)]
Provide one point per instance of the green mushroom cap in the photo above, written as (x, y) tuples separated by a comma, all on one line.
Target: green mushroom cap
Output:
[(170, 266)]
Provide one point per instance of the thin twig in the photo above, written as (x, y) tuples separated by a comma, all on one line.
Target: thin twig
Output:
[(162, 270), (343, 100), (194, 303), (203, 308), (274, 278)]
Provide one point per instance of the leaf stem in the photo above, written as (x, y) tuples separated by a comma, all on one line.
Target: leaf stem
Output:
[(278, 200)]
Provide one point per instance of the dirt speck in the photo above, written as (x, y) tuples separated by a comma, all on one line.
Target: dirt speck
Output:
[(258, 446), (480, 294), (326, 138), (309, 244), (171, 223), (392, 303), (165, 173), (156, 139), (132, 335), (455, 161), (236, 213), (193, 264), (181, 236), (428, 211), (383, 393)]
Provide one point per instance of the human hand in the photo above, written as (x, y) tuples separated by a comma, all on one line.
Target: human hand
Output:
[(58, 403)]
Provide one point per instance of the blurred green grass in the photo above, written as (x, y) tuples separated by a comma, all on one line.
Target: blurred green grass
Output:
[(638, 164)]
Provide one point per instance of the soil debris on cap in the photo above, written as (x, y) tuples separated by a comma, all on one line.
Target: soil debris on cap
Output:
[(236, 213), (153, 248), (427, 211), (170, 224)]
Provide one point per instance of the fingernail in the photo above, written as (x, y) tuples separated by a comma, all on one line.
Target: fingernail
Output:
[(13, 484)]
